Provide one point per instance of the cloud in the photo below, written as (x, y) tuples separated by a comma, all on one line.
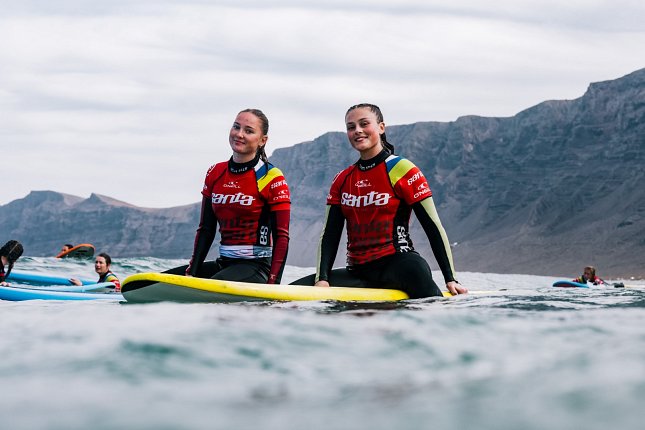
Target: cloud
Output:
[(141, 93)]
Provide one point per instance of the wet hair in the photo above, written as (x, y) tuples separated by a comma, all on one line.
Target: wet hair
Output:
[(265, 129), (69, 245), (108, 260), (12, 250), (592, 270), (379, 117)]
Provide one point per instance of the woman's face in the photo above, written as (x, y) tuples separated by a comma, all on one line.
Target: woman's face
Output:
[(100, 266), (364, 132), (246, 137)]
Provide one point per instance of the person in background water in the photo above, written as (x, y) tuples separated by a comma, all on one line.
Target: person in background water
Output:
[(249, 198), (9, 254), (375, 197), (66, 248), (102, 266), (589, 275)]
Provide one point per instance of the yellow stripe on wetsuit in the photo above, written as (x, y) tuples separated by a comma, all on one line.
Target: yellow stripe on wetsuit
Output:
[(399, 170), (265, 180)]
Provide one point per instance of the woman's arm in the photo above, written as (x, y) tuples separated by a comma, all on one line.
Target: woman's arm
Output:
[(426, 212), (280, 235), (329, 241), (204, 237)]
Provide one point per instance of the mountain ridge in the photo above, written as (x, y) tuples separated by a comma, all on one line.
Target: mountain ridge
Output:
[(546, 191)]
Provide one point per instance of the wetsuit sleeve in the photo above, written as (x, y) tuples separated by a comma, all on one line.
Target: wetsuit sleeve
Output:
[(429, 218), (204, 237), (111, 277), (280, 235), (329, 241)]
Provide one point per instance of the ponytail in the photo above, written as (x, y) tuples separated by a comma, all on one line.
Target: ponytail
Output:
[(388, 146), (263, 155)]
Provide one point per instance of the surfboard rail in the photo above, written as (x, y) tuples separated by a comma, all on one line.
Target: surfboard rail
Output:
[(83, 250), (153, 287)]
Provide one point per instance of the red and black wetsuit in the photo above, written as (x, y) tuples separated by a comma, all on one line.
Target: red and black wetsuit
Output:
[(596, 280), (375, 198), (251, 203)]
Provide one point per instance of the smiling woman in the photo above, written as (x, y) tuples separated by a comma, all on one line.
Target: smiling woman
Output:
[(375, 198), (249, 199)]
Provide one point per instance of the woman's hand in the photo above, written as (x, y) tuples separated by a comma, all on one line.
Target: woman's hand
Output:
[(321, 284), (456, 288), (75, 281)]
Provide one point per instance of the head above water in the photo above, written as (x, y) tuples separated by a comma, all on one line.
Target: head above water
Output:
[(12, 250), (379, 118), (589, 273), (102, 263), (9, 254), (248, 135)]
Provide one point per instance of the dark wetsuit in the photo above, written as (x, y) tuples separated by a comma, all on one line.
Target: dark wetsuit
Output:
[(375, 198), (3, 275), (251, 203), (110, 277)]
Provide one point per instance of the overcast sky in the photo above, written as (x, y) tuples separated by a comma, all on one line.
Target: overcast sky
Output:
[(134, 99)]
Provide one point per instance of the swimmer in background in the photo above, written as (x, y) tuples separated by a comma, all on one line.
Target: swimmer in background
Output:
[(9, 254), (102, 266)]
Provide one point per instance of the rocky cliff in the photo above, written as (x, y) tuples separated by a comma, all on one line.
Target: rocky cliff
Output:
[(45, 220), (547, 191), (556, 187)]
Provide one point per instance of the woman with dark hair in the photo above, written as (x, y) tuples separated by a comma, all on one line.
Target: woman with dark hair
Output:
[(375, 197), (103, 266), (9, 254), (249, 198)]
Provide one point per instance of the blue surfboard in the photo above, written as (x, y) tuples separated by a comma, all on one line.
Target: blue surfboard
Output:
[(16, 294), (569, 284), (36, 279)]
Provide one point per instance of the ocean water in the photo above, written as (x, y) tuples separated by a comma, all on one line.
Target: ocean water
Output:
[(522, 355)]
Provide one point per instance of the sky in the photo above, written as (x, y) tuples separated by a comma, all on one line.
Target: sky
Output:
[(135, 99)]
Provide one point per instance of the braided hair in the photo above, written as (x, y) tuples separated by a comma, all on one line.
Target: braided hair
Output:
[(379, 117), (265, 130)]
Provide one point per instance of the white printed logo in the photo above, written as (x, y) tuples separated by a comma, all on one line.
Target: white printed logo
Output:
[(401, 236), (231, 184), (415, 177), (264, 235), (425, 190), (363, 183), (278, 184), (373, 198), (224, 199)]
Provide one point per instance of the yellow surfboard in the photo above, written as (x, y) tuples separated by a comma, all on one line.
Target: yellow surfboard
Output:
[(156, 287)]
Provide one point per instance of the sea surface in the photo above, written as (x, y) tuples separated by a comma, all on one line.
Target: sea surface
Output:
[(518, 355)]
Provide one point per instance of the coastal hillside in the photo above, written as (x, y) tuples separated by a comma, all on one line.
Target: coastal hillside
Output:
[(545, 192), (45, 220)]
